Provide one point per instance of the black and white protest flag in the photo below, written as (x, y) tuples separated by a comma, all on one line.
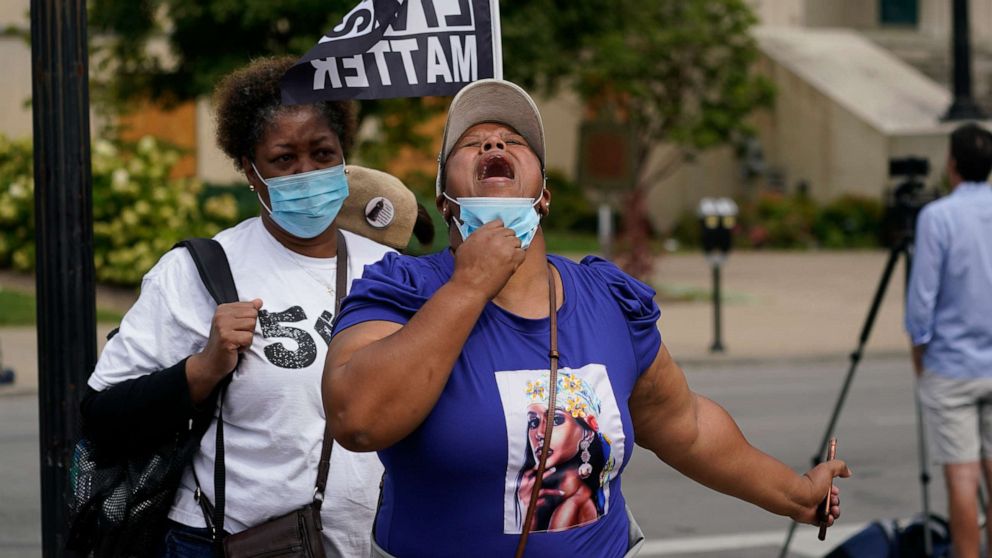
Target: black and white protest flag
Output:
[(400, 48)]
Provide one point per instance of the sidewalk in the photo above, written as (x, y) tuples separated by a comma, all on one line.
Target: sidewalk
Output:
[(783, 305), (778, 306), (19, 345)]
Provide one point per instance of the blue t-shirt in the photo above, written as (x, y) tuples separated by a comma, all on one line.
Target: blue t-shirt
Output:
[(458, 484)]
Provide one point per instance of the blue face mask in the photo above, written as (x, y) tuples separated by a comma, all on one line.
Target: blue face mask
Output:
[(517, 214), (304, 204)]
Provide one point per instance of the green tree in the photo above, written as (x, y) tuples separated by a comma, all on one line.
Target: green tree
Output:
[(171, 51), (679, 71), (176, 50)]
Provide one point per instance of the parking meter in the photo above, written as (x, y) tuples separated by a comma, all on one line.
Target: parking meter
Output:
[(717, 217)]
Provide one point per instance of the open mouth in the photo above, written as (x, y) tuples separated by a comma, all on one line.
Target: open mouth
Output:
[(494, 166)]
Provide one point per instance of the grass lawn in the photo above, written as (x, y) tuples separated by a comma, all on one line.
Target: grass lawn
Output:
[(18, 309), (560, 242)]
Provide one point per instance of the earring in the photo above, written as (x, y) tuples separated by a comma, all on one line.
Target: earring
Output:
[(585, 469), (251, 186)]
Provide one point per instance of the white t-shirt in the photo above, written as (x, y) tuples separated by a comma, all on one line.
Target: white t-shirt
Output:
[(273, 414)]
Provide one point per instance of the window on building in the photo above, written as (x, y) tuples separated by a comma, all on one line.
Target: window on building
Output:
[(899, 12)]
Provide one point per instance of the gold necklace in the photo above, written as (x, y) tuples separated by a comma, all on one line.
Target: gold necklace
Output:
[(327, 287)]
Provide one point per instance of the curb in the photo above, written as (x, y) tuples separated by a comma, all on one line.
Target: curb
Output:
[(16, 390), (723, 361)]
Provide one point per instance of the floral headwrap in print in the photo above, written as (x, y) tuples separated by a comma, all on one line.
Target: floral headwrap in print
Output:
[(574, 395)]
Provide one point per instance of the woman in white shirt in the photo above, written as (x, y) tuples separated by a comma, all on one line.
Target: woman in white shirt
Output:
[(175, 346)]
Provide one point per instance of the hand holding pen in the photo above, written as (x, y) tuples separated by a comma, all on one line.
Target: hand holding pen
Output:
[(828, 501)]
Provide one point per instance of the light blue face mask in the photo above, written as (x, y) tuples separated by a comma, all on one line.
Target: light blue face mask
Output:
[(305, 204), (517, 214)]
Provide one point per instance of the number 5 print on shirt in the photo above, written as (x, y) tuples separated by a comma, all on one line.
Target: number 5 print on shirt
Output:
[(306, 351)]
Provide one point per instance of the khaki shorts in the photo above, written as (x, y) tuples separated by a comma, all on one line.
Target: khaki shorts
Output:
[(958, 416)]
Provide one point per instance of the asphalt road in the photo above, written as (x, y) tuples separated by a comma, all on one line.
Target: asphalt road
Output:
[(782, 407)]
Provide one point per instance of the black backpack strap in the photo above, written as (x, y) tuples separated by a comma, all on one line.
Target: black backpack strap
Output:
[(215, 271)]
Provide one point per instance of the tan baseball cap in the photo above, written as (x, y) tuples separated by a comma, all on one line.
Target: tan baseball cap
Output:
[(379, 207), (491, 100)]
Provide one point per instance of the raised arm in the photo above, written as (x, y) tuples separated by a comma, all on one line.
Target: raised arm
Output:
[(701, 440), (382, 379)]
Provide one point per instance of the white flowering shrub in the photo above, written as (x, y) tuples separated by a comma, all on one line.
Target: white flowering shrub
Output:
[(139, 211), (16, 204)]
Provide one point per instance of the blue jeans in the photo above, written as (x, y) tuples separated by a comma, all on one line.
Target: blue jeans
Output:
[(182, 541)]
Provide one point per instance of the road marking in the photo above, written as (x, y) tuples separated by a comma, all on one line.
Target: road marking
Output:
[(804, 543)]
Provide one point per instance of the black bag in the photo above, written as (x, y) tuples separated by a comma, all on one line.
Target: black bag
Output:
[(119, 502), (893, 539)]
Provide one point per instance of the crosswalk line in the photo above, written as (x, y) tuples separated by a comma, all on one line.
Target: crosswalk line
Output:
[(803, 544)]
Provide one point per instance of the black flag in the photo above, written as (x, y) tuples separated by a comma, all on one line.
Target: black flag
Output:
[(400, 48)]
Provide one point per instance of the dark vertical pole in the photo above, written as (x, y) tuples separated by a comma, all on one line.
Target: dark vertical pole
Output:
[(963, 107), (855, 357), (64, 244), (909, 245), (717, 346)]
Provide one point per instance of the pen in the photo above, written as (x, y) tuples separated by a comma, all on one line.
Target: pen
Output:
[(831, 454)]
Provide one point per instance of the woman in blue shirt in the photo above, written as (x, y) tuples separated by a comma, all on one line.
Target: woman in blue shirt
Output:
[(441, 363)]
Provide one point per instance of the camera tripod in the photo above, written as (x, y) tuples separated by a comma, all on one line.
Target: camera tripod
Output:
[(902, 248)]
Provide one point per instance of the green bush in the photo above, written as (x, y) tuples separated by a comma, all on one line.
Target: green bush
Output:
[(16, 204), (773, 220), (850, 222), (687, 230), (571, 210), (139, 211)]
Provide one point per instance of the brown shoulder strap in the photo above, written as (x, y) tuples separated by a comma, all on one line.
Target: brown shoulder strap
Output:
[(340, 291), (549, 423)]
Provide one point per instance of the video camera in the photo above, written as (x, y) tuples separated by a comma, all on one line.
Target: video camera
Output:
[(904, 201)]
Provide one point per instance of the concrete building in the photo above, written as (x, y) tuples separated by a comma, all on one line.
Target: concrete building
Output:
[(857, 83), (15, 89), (917, 31)]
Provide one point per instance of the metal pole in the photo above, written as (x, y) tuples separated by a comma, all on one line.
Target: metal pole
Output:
[(924, 450), (964, 106), (605, 229), (717, 346), (855, 357), (64, 245)]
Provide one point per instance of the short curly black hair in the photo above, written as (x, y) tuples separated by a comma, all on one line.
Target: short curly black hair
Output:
[(248, 99)]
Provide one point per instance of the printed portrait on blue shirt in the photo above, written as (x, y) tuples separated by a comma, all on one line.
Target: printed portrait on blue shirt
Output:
[(586, 445)]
